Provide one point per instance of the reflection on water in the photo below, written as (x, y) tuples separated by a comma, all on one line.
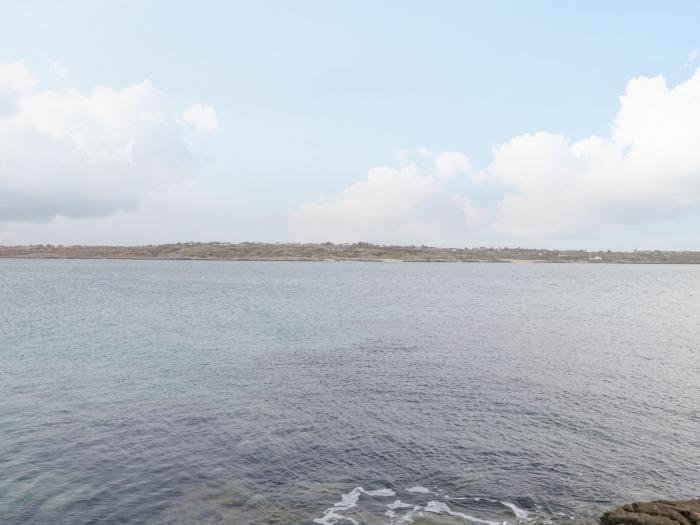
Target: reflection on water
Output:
[(260, 393)]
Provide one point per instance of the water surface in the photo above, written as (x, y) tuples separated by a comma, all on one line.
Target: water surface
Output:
[(150, 392)]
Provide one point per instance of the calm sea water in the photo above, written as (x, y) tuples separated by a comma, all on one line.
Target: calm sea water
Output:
[(338, 393)]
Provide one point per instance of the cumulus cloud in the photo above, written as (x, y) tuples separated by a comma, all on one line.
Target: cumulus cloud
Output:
[(649, 169), (404, 204), (15, 81), (550, 186), (202, 118), (77, 155), (451, 163)]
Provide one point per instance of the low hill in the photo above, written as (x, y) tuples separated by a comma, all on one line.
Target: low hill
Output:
[(249, 251)]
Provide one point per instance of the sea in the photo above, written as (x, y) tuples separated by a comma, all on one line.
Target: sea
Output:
[(344, 393)]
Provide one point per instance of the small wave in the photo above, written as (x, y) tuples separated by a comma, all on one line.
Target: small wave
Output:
[(348, 501), (404, 512), (438, 507), (420, 490), (398, 504), (380, 492), (521, 514)]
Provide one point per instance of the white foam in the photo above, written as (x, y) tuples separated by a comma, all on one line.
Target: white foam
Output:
[(398, 511), (407, 519), (348, 501), (398, 504), (420, 490), (521, 514), (330, 517), (385, 493), (438, 507)]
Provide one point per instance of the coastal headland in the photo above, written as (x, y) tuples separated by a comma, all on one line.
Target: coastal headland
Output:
[(361, 251)]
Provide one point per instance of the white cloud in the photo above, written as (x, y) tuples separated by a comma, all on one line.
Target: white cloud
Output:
[(648, 170), (78, 155), (59, 69), (451, 163), (425, 153), (404, 156), (393, 205), (550, 186), (73, 155), (694, 55), (202, 118), (15, 81), (185, 212)]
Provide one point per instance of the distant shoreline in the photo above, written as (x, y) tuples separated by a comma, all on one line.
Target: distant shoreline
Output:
[(360, 252)]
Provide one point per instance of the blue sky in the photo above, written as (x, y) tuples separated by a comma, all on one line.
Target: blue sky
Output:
[(310, 96)]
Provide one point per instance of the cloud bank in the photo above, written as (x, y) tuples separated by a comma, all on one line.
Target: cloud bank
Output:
[(73, 155), (392, 205), (84, 155), (648, 170), (551, 186)]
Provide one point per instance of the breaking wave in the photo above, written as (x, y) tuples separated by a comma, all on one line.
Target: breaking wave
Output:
[(394, 507)]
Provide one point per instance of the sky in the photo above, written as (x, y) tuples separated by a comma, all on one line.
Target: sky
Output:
[(448, 123)]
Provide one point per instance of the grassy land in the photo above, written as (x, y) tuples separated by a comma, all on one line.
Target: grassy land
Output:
[(342, 252)]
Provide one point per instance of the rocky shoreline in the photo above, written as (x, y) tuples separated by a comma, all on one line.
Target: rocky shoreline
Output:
[(686, 512)]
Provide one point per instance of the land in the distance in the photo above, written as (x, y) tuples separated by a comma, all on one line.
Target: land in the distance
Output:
[(251, 251)]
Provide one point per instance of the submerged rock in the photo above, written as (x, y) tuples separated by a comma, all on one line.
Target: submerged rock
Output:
[(655, 513)]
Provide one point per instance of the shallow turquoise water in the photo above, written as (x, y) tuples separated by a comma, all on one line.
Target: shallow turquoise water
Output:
[(220, 392)]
